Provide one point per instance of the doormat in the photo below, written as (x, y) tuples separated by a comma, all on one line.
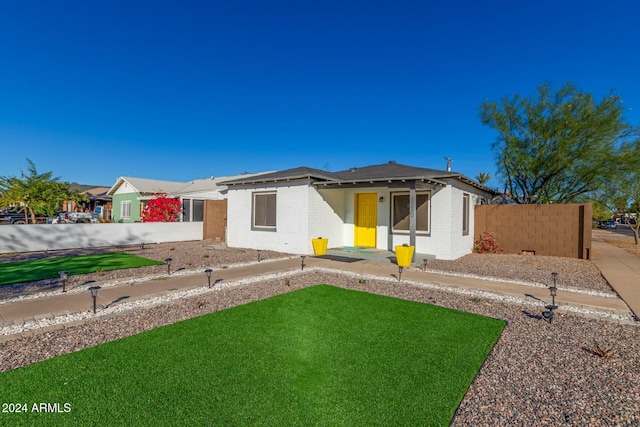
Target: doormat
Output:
[(357, 250)]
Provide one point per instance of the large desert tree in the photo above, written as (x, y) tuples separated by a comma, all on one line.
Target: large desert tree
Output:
[(555, 146), (624, 192), (41, 193)]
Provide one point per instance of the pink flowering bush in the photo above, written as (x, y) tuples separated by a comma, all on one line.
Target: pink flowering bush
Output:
[(162, 208), (487, 244)]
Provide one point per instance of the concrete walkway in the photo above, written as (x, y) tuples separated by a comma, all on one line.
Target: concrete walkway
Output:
[(621, 271)]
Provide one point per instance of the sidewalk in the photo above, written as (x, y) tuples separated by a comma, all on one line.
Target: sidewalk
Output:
[(59, 305), (621, 269)]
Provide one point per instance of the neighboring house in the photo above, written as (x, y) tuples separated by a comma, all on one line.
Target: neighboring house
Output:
[(99, 201), (378, 206), (194, 193), (131, 195)]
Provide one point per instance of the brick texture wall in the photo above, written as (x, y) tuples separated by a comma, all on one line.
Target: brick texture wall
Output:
[(551, 230)]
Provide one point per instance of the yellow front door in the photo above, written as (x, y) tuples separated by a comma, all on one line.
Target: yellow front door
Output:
[(366, 219)]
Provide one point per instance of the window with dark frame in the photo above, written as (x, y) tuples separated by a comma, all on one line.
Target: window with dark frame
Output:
[(186, 210), (198, 210), (400, 215), (465, 214), (264, 211)]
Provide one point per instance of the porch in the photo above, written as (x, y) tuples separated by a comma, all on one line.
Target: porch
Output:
[(356, 253)]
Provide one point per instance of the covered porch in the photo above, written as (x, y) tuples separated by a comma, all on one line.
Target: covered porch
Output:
[(355, 253)]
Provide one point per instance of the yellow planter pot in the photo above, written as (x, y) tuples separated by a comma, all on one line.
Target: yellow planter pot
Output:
[(320, 246), (404, 255)]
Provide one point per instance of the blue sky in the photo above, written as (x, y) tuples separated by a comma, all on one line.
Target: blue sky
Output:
[(185, 90)]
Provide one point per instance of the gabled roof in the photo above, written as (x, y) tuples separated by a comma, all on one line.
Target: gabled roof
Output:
[(149, 186), (382, 173), (153, 186), (86, 187), (94, 192), (213, 183)]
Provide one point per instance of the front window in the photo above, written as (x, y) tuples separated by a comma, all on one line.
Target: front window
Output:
[(125, 209), (400, 212), (264, 211), (198, 210), (186, 210)]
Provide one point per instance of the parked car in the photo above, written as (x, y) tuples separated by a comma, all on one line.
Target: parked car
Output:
[(16, 215), (65, 217), (608, 224)]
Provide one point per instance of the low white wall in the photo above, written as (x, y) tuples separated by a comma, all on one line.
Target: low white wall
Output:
[(40, 237)]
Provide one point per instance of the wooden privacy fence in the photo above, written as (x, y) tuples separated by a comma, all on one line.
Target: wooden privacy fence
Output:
[(215, 219), (551, 230)]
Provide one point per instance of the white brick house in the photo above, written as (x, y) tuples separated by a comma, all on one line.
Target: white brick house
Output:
[(377, 206)]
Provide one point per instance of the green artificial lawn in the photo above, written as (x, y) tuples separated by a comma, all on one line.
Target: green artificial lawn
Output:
[(48, 268), (316, 356)]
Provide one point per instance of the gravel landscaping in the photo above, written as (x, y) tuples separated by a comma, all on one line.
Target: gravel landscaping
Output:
[(572, 273), (539, 373)]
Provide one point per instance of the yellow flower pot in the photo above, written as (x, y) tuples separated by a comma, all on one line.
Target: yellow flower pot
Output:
[(404, 255), (320, 245)]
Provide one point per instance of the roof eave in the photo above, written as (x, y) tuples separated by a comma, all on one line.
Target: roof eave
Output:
[(271, 180), (380, 180)]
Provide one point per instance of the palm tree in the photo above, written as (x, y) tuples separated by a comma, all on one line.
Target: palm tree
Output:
[(483, 177)]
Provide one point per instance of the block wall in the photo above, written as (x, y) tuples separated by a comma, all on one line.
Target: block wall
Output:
[(551, 230)]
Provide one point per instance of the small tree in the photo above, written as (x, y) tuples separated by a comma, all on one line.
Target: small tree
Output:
[(41, 193), (162, 208), (555, 146)]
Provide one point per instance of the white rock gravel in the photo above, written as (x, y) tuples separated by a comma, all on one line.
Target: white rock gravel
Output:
[(538, 373)]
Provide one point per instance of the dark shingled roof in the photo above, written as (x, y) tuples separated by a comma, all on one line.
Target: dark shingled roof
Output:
[(385, 172), (389, 171), (301, 172)]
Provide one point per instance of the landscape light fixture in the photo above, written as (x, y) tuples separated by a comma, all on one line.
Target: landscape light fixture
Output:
[(168, 261), (424, 264), (142, 245), (259, 254), (94, 295), (302, 263), (553, 290), (400, 268), (208, 272), (64, 274)]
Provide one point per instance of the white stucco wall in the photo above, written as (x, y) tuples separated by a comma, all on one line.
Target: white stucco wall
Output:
[(291, 219), (41, 237), (326, 209), (445, 240), (301, 214), (304, 212)]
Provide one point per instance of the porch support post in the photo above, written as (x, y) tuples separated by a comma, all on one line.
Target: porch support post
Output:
[(412, 215)]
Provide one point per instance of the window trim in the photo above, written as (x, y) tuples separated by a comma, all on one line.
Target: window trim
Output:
[(124, 203), (407, 232), (466, 209), (255, 227)]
